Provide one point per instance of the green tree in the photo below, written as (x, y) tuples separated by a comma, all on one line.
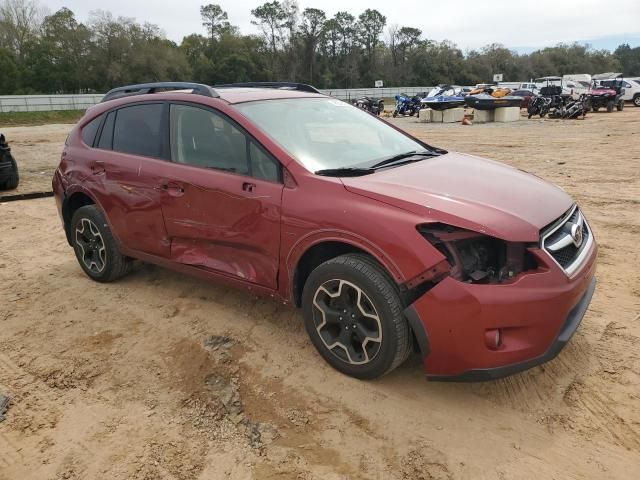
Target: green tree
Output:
[(215, 20), (371, 24), (629, 59), (19, 24), (312, 30), (271, 18), (9, 77)]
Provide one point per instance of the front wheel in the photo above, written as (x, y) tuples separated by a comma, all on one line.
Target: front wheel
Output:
[(636, 100), (620, 105), (353, 315), (610, 106), (395, 113), (95, 247)]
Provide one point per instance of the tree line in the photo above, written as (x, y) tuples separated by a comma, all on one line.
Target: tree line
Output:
[(43, 52)]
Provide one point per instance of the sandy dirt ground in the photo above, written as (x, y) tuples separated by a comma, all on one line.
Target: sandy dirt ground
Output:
[(161, 376)]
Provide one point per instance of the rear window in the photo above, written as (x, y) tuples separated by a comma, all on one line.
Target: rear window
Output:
[(138, 129), (90, 129)]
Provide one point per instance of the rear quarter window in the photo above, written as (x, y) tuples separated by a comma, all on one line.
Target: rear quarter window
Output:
[(90, 130)]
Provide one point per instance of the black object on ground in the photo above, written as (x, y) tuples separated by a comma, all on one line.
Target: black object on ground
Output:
[(4, 405)]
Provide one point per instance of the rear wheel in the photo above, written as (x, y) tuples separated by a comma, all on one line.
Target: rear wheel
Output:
[(595, 109), (610, 105), (95, 247), (620, 105), (353, 315), (636, 100)]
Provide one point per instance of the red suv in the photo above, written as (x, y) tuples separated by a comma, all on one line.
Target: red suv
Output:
[(389, 245)]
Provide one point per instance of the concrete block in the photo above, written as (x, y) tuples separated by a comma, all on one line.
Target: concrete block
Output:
[(425, 115), (483, 116), (507, 114), (451, 115)]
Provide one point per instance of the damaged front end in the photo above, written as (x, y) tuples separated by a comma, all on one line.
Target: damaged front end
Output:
[(498, 307), (477, 258)]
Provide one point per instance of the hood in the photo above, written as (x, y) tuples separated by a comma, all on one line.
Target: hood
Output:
[(468, 192)]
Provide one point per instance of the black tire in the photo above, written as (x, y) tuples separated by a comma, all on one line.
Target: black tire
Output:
[(636, 100), (13, 179), (93, 253), (395, 113), (610, 105), (620, 105), (595, 109), (379, 314)]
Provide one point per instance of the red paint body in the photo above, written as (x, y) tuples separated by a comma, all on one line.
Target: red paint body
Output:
[(205, 222)]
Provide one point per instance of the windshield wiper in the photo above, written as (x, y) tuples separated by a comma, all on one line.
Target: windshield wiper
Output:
[(404, 156), (344, 172)]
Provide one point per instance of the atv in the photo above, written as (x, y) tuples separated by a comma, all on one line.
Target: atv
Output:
[(606, 92), (8, 167)]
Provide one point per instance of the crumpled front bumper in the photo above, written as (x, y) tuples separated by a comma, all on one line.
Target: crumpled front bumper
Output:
[(536, 314)]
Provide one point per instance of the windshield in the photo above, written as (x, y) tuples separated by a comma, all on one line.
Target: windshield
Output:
[(324, 133)]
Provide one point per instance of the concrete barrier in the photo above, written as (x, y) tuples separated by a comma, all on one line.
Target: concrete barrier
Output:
[(450, 115), (483, 116), (507, 114), (425, 115)]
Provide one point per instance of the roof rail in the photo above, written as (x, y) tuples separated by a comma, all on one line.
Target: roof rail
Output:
[(145, 88), (302, 87)]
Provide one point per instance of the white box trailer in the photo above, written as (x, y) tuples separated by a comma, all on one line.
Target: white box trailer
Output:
[(518, 85)]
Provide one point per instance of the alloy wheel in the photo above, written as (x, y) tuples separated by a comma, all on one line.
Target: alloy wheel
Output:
[(347, 322), (91, 244)]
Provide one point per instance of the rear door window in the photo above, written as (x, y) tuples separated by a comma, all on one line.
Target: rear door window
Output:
[(138, 130)]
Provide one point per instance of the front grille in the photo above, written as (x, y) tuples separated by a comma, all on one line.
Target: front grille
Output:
[(558, 242)]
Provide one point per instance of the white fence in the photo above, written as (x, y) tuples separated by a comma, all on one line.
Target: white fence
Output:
[(353, 93), (44, 103)]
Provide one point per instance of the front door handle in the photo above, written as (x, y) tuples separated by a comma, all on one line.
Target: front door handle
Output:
[(172, 188), (248, 187)]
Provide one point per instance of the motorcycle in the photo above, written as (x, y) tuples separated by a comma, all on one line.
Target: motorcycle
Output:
[(406, 105), (539, 106), (370, 104), (573, 109)]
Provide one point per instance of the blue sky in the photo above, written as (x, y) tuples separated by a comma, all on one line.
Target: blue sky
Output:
[(523, 26)]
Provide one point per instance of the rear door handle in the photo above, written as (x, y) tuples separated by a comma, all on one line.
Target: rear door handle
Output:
[(248, 187)]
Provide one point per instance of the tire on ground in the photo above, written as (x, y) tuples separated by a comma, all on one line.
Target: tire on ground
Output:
[(364, 272), (116, 265)]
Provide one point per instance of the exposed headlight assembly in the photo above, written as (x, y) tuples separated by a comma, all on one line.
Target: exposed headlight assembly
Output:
[(478, 258)]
